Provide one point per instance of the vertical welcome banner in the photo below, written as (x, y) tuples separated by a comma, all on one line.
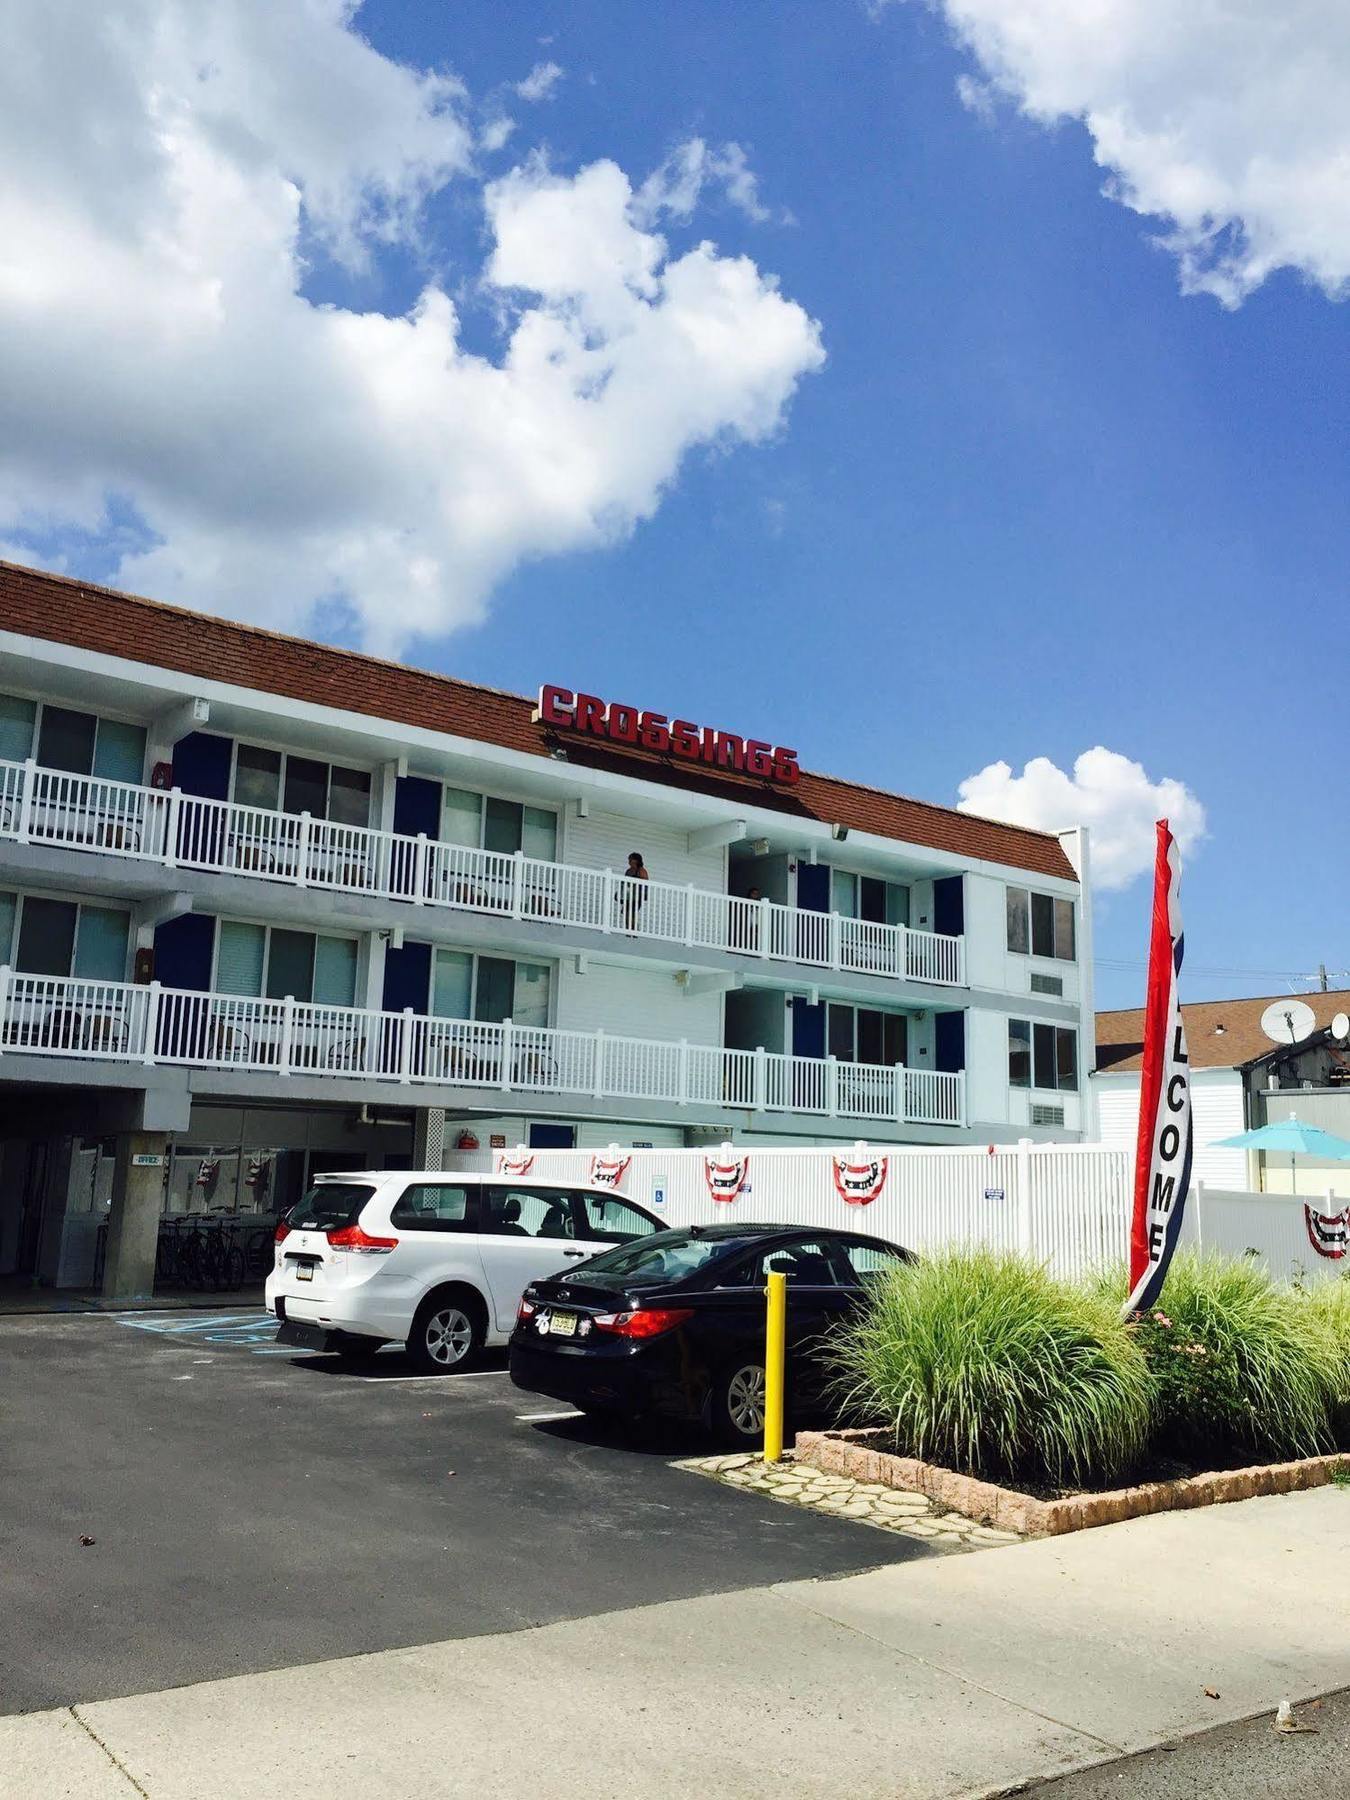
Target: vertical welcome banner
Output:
[(1162, 1163)]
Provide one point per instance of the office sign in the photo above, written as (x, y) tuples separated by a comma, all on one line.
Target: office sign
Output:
[(589, 716)]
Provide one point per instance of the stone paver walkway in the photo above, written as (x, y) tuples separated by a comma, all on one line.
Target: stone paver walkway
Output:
[(870, 1503)]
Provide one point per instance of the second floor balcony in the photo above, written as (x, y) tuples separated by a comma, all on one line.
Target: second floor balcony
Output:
[(123, 1022), (182, 831)]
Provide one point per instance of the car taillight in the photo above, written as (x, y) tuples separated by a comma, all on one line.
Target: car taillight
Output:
[(526, 1310), (650, 1322), (283, 1230), (351, 1237)]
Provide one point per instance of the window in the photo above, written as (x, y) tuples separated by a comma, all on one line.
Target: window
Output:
[(671, 1257), (1040, 925), (527, 1212), (432, 1206), (481, 822), (1042, 1056), (1019, 1053), (868, 897), (616, 1221), (17, 721), (807, 1264), (870, 1260), (297, 784), (490, 988), (59, 937), (46, 937), (329, 1205), (862, 1034), (79, 743), (265, 960)]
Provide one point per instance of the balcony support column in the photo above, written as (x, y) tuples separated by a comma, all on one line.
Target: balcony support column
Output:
[(133, 1222)]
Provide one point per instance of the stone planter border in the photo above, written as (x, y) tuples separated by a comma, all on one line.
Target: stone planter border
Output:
[(858, 1453)]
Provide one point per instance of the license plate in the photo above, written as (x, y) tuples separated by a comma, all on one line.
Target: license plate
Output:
[(562, 1324), (304, 1271)]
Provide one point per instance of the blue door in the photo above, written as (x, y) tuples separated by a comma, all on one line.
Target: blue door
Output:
[(183, 948), (808, 1027), (201, 765), (949, 905), (552, 1137), (949, 1041), (813, 887), (407, 978)]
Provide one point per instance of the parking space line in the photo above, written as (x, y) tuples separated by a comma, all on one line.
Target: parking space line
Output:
[(540, 1418)]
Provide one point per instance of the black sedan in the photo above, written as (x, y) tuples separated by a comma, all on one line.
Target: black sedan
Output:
[(674, 1324)]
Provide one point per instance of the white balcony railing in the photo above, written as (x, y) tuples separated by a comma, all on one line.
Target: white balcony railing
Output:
[(178, 830), (118, 1021)]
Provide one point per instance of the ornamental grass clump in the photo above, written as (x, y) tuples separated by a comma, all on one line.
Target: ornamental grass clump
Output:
[(984, 1363), (1328, 1307), (1237, 1364)]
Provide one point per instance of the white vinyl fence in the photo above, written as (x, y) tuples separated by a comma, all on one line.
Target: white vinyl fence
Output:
[(1068, 1204)]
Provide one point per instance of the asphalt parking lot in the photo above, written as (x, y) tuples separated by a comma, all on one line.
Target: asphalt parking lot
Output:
[(254, 1507)]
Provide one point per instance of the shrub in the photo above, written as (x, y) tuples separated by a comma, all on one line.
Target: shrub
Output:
[(1328, 1306), (985, 1363), (1237, 1364)]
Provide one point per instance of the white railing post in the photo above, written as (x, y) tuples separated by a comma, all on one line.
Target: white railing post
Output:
[(682, 1098), (151, 1022), (1024, 1206), (302, 850), (764, 921), (173, 812), (689, 913), (832, 1086), (832, 928), (960, 1097), (420, 870), (898, 1083), (607, 923), (506, 1053), (405, 1048), (25, 826), (760, 1095), (598, 1086), (517, 884), (4, 1002), (287, 1033), (961, 961), (902, 952)]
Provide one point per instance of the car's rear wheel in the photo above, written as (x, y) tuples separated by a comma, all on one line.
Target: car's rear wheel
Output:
[(736, 1404), (447, 1334)]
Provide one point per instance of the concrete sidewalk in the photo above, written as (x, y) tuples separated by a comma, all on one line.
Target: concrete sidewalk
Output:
[(951, 1676)]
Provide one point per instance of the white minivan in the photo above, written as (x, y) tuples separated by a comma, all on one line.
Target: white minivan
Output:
[(432, 1260)]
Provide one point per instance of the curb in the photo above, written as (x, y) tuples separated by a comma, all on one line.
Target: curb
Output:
[(854, 1453)]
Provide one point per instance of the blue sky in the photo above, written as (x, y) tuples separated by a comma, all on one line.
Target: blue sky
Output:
[(1037, 499)]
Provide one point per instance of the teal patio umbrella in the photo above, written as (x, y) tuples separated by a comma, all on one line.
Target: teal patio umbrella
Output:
[(1293, 1135)]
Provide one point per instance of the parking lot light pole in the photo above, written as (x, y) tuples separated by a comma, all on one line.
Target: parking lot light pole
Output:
[(775, 1348)]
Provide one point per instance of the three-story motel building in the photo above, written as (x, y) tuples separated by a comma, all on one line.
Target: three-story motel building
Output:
[(269, 907)]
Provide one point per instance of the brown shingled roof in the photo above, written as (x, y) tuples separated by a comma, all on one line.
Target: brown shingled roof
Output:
[(1220, 1034), (59, 609)]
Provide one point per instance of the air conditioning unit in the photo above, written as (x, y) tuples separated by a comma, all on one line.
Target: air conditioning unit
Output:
[(1047, 1115), (1047, 984)]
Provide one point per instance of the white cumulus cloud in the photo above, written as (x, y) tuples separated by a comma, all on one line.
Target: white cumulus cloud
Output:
[(1109, 793), (172, 166), (1227, 120), (540, 82), (677, 185)]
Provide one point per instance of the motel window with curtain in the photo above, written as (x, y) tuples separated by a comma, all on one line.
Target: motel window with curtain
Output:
[(1040, 925), (78, 743), (481, 822), (263, 960), (1042, 1056), (41, 936), (277, 780)]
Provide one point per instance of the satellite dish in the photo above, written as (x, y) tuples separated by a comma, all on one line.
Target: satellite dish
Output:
[(1288, 1021), (1340, 1027)]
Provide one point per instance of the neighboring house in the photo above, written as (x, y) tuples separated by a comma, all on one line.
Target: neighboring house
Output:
[(1240, 1080), (269, 907)]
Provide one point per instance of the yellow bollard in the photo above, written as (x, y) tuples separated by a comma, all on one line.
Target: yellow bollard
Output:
[(775, 1358)]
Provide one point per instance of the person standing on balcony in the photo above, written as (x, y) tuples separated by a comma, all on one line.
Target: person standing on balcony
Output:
[(634, 895), (745, 923)]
